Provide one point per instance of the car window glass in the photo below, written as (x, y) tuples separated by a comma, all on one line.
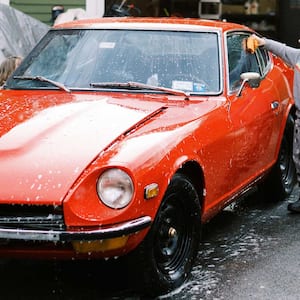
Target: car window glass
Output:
[(264, 60), (239, 61), (53, 61), (186, 61)]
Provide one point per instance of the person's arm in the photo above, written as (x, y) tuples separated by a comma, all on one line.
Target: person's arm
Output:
[(289, 54)]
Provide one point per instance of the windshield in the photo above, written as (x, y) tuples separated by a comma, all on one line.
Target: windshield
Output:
[(79, 59)]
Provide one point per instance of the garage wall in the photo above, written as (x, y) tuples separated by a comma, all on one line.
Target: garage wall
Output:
[(289, 22), (41, 9)]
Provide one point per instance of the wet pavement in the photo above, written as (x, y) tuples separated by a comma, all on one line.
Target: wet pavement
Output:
[(249, 251)]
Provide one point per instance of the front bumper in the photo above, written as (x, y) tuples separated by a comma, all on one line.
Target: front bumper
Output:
[(118, 230)]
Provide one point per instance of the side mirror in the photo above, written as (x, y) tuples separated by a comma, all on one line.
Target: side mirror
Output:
[(252, 78)]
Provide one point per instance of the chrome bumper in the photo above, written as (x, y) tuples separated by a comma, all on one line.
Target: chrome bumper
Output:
[(82, 235)]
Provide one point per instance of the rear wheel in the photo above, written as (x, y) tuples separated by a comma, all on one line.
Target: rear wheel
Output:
[(165, 258), (282, 179)]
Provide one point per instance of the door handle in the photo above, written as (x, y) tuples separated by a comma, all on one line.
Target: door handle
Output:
[(274, 104)]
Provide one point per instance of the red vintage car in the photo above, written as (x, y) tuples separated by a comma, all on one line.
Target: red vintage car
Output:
[(122, 136)]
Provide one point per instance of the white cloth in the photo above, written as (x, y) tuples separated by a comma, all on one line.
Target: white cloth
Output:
[(71, 15)]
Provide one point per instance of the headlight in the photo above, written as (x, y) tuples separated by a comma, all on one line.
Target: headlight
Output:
[(115, 188)]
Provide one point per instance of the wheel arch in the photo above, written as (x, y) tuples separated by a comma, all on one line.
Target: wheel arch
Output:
[(290, 118), (288, 127), (292, 111), (195, 173), (281, 178)]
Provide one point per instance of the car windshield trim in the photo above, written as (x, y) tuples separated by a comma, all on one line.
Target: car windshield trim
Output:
[(44, 79), (140, 86), (73, 59)]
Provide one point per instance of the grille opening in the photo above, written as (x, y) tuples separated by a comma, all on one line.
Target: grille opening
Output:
[(44, 217)]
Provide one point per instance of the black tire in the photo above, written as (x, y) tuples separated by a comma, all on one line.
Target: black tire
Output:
[(166, 256), (281, 181)]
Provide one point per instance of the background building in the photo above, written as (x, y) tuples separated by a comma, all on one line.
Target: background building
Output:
[(277, 19)]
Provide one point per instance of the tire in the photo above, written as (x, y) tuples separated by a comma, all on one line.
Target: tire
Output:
[(166, 256), (282, 179)]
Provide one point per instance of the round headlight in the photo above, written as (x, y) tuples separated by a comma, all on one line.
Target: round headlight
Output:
[(115, 188)]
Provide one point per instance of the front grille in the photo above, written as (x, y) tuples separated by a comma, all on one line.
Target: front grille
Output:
[(40, 217)]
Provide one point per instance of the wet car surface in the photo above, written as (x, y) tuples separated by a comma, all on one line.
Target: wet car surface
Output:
[(127, 135)]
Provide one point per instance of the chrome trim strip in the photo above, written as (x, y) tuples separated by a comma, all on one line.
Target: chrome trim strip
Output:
[(84, 235)]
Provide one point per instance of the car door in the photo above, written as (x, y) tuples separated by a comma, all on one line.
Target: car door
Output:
[(255, 114)]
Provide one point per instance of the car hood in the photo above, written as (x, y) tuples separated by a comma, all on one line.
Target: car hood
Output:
[(47, 142)]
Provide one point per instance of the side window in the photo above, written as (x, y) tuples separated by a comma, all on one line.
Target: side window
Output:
[(264, 60), (239, 61)]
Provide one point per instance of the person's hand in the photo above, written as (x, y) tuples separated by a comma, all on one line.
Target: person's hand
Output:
[(251, 43), (260, 41)]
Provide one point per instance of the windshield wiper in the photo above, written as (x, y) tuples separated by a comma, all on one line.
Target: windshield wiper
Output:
[(139, 86), (43, 79)]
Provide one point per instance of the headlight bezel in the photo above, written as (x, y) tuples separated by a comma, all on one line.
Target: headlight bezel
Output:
[(115, 188)]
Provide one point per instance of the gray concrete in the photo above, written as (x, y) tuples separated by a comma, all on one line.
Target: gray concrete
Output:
[(248, 252)]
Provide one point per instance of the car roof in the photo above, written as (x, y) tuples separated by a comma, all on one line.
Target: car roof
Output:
[(181, 24)]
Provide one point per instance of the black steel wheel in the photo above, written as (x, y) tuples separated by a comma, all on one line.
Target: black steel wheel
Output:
[(286, 168), (282, 179), (167, 254)]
